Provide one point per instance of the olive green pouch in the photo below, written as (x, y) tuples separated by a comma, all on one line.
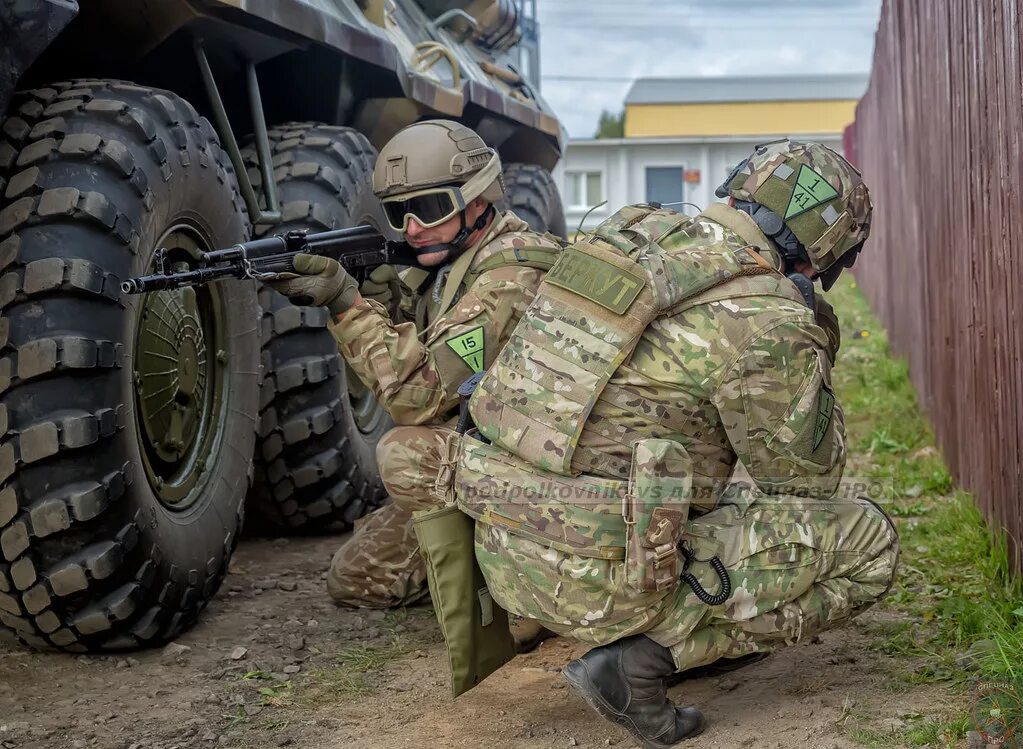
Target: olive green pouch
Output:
[(475, 628), (656, 510)]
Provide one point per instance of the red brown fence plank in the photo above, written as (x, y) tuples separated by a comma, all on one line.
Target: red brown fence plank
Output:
[(938, 137)]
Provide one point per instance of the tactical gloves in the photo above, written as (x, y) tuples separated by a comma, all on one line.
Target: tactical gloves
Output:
[(383, 286), (318, 282)]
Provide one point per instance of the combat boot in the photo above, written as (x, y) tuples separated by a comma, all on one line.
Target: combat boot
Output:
[(718, 668), (625, 682)]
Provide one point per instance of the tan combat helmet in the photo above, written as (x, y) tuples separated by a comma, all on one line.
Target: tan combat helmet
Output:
[(432, 170), (814, 193)]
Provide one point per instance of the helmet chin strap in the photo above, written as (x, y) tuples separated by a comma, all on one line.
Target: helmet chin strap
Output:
[(458, 245), (465, 232)]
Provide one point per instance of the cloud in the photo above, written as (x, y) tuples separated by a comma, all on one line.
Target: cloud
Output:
[(602, 44), (790, 55)]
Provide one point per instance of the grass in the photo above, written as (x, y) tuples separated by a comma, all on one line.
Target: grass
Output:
[(347, 676), (363, 658), (929, 733), (962, 608)]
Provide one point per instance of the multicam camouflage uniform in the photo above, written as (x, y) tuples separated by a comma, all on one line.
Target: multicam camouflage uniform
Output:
[(415, 374), (658, 354)]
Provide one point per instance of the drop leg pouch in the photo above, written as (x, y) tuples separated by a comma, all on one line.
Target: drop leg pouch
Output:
[(475, 628)]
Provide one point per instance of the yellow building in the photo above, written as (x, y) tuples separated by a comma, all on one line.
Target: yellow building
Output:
[(683, 136), (741, 106)]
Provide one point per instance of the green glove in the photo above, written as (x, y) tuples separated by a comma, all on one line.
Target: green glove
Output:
[(382, 285), (317, 282)]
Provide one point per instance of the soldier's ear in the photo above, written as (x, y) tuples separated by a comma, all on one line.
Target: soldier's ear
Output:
[(475, 209)]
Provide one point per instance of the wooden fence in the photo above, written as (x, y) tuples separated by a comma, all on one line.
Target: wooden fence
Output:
[(938, 137)]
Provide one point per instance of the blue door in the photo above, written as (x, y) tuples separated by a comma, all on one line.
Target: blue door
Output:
[(664, 184)]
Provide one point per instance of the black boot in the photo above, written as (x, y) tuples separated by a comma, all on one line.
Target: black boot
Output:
[(624, 682), (718, 668)]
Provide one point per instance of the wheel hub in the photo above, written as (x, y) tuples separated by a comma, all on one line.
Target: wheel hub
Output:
[(178, 384), (191, 348), (170, 371)]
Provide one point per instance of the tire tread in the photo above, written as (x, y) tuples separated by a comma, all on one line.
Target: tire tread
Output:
[(302, 438), (60, 590)]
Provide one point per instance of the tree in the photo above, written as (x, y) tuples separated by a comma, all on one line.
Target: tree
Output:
[(611, 125)]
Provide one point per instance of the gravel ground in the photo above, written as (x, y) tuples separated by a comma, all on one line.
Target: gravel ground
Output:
[(274, 663)]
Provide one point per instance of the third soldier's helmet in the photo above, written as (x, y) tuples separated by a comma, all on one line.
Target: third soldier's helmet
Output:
[(814, 193), (432, 169)]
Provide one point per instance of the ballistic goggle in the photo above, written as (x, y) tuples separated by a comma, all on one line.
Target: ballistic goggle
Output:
[(432, 206)]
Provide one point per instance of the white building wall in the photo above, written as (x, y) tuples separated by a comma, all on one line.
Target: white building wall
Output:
[(622, 164)]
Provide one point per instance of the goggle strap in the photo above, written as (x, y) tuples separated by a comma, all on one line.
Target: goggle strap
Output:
[(480, 181)]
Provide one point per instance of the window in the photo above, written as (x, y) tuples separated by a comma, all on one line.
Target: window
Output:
[(584, 189), (664, 184)]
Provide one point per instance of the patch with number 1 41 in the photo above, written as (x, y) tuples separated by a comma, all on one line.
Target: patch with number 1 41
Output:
[(469, 346), (811, 190)]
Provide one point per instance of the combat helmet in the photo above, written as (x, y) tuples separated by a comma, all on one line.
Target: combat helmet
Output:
[(808, 199), (432, 170)]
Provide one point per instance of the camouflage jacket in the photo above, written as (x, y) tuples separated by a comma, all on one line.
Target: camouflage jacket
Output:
[(736, 372), (744, 226), (743, 373), (415, 373)]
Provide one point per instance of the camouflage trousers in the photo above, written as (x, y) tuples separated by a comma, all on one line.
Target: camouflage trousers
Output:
[(380, 565), (796, 566)]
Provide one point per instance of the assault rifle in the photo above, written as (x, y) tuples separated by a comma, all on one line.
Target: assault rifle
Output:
[(358, 249)]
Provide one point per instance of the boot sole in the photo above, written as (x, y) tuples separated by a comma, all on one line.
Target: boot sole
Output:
[(583, 685), (720, 667)]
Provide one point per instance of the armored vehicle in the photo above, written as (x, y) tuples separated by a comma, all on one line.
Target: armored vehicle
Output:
[(135, 430)]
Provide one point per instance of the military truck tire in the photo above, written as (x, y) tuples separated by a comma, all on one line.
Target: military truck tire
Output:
[(531, 194), (127, 422), (316, 467)]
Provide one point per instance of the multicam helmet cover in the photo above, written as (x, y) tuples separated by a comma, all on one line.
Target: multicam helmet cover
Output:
[(818, 194)]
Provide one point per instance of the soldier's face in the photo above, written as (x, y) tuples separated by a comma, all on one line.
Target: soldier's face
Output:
[(418, 235)]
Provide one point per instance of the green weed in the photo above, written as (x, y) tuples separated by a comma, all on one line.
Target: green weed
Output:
[(956, 589), (346, 676), (363, 658)]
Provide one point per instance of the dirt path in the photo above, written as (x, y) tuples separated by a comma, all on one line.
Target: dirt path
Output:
[(315, 677)]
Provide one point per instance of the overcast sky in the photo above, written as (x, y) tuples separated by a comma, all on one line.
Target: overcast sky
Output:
[(591, 49)]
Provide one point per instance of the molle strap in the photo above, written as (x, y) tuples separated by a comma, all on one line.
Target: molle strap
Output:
[(463, 275), (531, 256), (588, 316), (581, 516), (686, 273), (717, 290), (634, 227)]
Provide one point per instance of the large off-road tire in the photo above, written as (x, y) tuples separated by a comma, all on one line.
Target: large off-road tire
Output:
[(127, 422), (316, 456), (531, 193)]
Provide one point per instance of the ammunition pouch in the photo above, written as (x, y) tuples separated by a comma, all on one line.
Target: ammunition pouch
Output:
[(639, 522), (656, 511), (577, 515)]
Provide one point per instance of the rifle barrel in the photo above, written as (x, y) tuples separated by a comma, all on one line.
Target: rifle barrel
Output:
[(356, 248), (162, 282)]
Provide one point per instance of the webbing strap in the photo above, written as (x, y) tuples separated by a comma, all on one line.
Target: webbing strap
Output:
[(463, 275)]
